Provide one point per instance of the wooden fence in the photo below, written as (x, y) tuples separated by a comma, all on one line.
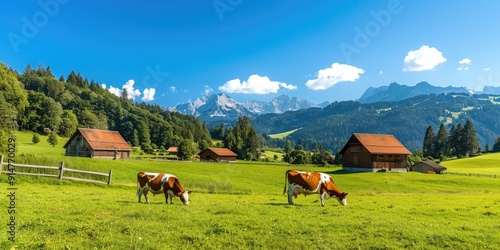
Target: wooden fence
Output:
[(471, 174), (60, 175)]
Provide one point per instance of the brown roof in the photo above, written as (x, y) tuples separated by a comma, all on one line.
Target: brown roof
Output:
[(432, 165), (222, 151), (102, 139), (378, 144), (173, 149)]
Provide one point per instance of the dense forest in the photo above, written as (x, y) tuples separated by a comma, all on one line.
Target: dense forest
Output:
[(408, 120)]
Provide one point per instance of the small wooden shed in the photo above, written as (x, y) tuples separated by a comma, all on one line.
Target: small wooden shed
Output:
[(172, 150), (96, 143), (218, 155), (427, 167), (374, 152)]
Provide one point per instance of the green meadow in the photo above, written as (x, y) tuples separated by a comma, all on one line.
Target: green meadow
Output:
[(241, 206)]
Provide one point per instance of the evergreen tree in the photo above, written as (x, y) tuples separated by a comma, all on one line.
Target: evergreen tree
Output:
[(456, 140), (471, 143), (35, 139), (441, 143), (428, 145), (496, 146), (52, 139), (487, 148)]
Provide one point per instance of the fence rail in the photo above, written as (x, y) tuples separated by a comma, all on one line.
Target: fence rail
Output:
[(60, 175), (472, 174)]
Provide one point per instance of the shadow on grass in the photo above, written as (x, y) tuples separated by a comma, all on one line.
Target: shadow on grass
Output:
[(277, 204), (340, 171)]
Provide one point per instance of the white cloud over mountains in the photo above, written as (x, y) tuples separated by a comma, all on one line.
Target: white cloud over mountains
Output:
[(254, 85), (328, 77), (425, 58), (132, 92), (464, 64)]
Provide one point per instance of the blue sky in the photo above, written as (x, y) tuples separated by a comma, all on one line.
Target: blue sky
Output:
[(172, 52)]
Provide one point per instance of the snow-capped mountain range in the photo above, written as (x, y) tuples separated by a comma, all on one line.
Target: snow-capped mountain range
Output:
[(221, 107)]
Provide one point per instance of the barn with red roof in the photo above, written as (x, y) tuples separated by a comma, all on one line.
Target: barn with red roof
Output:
[(96, 143), (374, 152), (218, 155)]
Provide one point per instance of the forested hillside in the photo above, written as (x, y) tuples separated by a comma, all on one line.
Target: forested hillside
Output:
[(36, 99), (408, 120)]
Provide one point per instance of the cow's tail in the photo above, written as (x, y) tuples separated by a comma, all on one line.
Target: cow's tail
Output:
[(286, 180)]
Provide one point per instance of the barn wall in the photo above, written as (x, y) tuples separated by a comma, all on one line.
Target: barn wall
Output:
[(208, 155), (356, 156), (422, 168), (110, 154), (78, 147)]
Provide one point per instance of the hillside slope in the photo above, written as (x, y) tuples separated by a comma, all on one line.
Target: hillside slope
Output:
[(407, 120)]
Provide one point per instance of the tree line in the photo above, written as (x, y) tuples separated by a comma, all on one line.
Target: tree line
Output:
[(460, 141)]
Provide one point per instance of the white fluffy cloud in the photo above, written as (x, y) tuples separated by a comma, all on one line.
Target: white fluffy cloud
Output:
[(336, 73), (132, 92), (425, 58), (464, 64), (254, 85), (149, 95)]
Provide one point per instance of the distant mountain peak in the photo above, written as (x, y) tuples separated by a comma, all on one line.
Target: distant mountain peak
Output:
[(221, 107), (398, 92)]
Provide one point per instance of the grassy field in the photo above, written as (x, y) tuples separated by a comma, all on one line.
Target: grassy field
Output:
[(241, 206), (282, 135), (484, 164)]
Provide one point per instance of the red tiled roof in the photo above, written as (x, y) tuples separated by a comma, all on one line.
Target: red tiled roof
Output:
[(379, 144), (102, 139), (173, 149), (222, 151)]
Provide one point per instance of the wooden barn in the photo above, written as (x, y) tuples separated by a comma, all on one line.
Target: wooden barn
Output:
[(96, 143), (172, 150), (428, 167), (218, 155), (374, 152)]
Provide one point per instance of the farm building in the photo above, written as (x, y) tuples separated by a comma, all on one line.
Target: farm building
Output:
[(172, 150), (374, 152), (427, 167), (96, 143), (218, 155)]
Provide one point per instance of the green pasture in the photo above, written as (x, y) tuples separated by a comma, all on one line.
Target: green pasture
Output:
[(484, 164), (283, 135), (241, 206)]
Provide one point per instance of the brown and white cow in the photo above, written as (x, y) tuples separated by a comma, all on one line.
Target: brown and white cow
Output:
[(159, 183), (305, 183)]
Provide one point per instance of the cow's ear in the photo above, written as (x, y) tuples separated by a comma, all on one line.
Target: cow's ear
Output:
[(179, 194), (189, 192), (345, 194)]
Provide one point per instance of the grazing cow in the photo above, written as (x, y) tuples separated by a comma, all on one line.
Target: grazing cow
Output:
[(159, 183), (312, 183)]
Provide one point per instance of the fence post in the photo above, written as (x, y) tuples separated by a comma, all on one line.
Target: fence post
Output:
[(109, 177), (61, 170), (1, 163)]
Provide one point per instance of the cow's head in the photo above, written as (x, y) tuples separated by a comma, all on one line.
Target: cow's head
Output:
[(184, 197), (340, 197)]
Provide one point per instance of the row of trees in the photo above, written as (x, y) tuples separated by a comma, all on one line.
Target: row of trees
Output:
[(459, 142)]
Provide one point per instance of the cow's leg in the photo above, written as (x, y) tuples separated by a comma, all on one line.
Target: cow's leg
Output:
[(139, 193), (290, 194), (322, 198), (146, 191)]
